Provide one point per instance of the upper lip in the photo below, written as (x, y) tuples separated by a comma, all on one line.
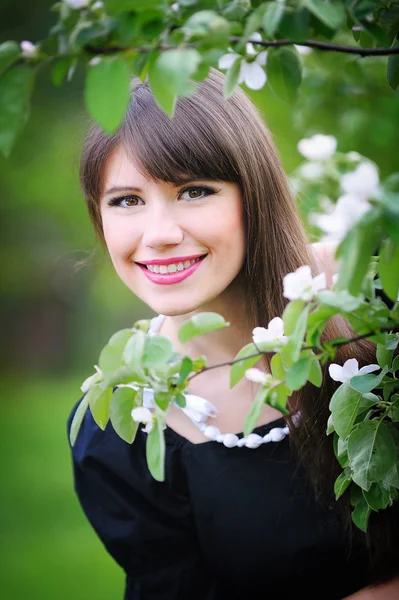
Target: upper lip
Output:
[(168, 261)]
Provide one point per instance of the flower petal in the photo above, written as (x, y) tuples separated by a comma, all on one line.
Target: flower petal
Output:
[(335, 372), (255, 77), (350, 368), (227, 60), (141, 415), (368, 369), (276, 327)]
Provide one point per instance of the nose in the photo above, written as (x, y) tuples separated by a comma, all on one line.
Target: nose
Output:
[(162, 229)]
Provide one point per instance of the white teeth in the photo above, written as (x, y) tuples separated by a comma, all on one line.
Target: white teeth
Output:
[(173, 267)]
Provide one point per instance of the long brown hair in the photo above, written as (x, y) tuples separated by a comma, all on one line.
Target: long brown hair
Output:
[(213, 138)]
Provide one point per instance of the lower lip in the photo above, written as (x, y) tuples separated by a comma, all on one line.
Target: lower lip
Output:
[(170, 278)]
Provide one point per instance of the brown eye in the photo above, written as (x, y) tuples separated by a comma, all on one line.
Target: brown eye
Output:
[(196, 193), (125, 201)]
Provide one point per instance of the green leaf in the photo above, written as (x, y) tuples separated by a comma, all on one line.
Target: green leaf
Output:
[(276, 365), (78, 419), (272, 17), (372, 453), (123, 401), (395, 364), (367, 383), (388, 268), (185, 369), (377, 497), (315, 374), (99, 397), (124, 375), (114, 7), (384, 356), (110, 360), (341, 483), (355, 250), (15, 91), (361, 514), (294, 25), (169, 76), (107, 92), (394, 409), (60, 69), (278, 398), (331, 13), (180, 400), (157, 350), (291, 314), (237, 370), (155, 451), (120, 338), (342, 300), (199, 324), (292, 349), (330, 427), (252, 417), (344, 406), (232, 77), (9, 52), (284, 73), (134, 351), (298, 375)]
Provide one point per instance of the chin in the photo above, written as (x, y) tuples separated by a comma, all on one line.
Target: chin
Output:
[(176, 308)]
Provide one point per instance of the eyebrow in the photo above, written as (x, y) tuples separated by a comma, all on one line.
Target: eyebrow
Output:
[(179, 181)]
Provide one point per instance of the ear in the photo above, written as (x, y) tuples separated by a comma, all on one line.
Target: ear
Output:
[(324, 255)]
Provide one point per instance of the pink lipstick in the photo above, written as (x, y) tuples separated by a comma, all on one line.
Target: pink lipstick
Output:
[(170, 278)]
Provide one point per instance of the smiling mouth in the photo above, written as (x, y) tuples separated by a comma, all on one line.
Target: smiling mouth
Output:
[(172, 267)]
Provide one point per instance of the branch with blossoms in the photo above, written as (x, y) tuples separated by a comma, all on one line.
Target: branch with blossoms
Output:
[(175, 44)]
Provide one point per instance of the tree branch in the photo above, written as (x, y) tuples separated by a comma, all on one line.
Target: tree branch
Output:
[(326, 46), (262, 352)]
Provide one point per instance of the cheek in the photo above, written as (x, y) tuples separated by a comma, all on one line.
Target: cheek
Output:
[(120, 240)]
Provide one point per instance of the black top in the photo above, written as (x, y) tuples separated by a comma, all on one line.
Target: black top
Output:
[(227, 522)]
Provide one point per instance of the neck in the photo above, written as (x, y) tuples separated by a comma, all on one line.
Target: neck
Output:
[(218, 346)]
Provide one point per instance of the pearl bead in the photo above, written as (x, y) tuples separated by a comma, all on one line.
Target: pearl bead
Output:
[(211, 432), (230, 440), (276, 434), (253, 440)]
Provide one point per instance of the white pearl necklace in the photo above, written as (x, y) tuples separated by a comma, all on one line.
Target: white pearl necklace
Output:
[(199, 410)]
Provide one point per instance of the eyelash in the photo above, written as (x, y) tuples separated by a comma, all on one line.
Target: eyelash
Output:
[(206, 190)]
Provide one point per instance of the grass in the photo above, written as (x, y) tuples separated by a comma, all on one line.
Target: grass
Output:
[(49, 549)]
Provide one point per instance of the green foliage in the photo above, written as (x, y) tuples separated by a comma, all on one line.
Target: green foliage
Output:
[(107, 92), (200, 324), (175, 47), (123, 401)]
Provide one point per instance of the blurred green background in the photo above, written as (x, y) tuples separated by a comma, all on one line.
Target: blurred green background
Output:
[(56, 317)]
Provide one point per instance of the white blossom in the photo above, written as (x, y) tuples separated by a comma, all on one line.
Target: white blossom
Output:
[(363, 182), (345, 214), (143, 415), (300, 285), (77, 3), (95, 61), (349, 369), (251, 73), (97, 5), (273, 333), (303, 49), (28, 49), (312, 171), (175, 6), (317, 147), (257, 376)]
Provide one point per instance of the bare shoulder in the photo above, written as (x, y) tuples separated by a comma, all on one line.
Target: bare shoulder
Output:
[(324, 255)]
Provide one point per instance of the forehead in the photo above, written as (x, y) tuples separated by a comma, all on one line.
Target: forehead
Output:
[(120, 170)]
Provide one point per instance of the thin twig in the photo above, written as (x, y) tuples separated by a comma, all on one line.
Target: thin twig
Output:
[(326, 46), (265, 352)]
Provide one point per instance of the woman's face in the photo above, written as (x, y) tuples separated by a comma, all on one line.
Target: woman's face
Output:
[(155, 231)]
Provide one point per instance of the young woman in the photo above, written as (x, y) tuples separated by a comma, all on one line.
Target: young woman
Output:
[(203, 196)]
